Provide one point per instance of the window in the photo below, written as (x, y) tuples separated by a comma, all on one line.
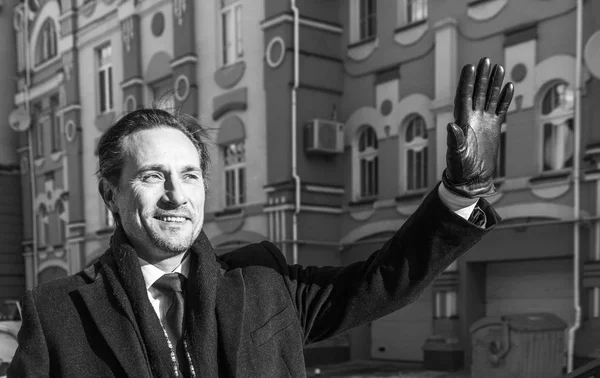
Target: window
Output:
[(446, 304), (368, 163), (235, 174), (416, 10), (45, 47), (231, 38), (18, 24), (43, 225), (594, 302), (500, 170), (367, 19), (556, 119), (105, 78), (62, 223), (55, 124), (415, 139), (39, 145)]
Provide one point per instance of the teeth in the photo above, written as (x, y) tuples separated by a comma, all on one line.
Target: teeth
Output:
[(173, 219)]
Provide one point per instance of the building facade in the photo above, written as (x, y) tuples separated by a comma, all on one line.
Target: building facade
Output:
[(12, 266), (329, 127)]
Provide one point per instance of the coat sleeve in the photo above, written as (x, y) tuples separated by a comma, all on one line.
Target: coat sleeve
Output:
[(330, 300), (31, 358)]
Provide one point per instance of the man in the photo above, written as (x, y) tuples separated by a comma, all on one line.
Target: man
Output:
[(247, 313)]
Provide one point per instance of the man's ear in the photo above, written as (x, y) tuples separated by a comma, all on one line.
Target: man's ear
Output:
[(108, 194)]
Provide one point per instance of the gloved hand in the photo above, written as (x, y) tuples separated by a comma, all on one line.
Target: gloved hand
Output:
[(473, 140)]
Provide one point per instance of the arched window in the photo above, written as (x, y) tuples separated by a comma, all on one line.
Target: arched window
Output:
[(556, 119), (45, 47), (368, 163), (43, 225), (415, 147)]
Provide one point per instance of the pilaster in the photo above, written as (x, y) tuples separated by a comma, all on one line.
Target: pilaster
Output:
[(184, 61)]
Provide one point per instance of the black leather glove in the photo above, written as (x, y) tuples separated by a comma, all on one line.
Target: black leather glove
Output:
[(474, 138)]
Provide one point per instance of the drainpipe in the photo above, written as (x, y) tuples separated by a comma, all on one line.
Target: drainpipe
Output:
[(30, 142), (576, 148), (295, 175)]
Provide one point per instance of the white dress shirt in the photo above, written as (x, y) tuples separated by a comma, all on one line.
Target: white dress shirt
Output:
[(462, 206), (151, 273)]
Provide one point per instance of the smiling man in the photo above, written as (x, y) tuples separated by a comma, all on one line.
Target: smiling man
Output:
[(160, 303)]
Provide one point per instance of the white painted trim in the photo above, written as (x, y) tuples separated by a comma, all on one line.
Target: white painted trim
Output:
[(128, 83), (539, 209), (324, 189), (319, 25), (411, 35), (70, 131), (274, 63), (47, 63), (363, 50), (73, 107), (486, 10), (283, 207), (76, 224), (126, 9), (322, 209), (78, 239), (53, 263), (40, 89), (186, 93), (186, 59)]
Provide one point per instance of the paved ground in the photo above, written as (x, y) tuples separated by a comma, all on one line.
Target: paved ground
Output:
[(379, 369)]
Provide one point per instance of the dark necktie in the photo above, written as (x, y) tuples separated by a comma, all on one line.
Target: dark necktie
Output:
[(173, 285)]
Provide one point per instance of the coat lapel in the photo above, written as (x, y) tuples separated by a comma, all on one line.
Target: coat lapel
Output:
[(114, 318)]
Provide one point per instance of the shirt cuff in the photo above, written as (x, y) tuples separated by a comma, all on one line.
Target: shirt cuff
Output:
[(460, 205)]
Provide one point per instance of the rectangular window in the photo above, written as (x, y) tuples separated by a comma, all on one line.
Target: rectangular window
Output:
[(39, 145), (105, 90), (235, 174), (231, 32), (501, 160), (367, 19), (416, 10), (55, 124), (446, 304)]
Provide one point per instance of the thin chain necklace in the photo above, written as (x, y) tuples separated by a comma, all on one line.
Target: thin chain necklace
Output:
[(174, 358)]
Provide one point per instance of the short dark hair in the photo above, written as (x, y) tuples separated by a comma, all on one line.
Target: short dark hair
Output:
[(111, 153)]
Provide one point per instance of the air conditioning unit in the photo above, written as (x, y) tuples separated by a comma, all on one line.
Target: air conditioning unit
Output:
[(324, 137)]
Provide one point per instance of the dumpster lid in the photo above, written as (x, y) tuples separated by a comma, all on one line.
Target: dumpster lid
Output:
[(540, 321)]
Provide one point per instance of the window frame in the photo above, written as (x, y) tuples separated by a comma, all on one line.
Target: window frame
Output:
[(419, 145), (104, 75), (233, 30), (558, 118), (239, 177), (55, 125), (445, 304), (500, 171), (46, 45), (409, 11), (367, 183)]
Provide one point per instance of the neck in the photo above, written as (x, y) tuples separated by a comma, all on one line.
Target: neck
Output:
[(166, 264)]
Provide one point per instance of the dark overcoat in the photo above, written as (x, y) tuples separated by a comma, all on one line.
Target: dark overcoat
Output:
[(249, 312)]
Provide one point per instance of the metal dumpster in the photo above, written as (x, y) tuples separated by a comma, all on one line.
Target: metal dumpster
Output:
[(518, 346)]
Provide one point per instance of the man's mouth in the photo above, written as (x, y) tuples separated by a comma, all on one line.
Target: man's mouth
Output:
[(172, 219)]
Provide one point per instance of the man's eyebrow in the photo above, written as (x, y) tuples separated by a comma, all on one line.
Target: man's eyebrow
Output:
[(191, 168), (150, 167)]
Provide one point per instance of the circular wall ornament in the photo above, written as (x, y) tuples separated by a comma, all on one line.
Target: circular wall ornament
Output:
[(386, 107), (130, 103), (70, 131), (518, 72), (158, 24), (182, 87), (275, 52)]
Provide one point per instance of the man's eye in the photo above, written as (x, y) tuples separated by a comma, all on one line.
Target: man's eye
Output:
[(152, 177), (191, 176)]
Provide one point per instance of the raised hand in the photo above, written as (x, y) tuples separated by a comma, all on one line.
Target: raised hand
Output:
[(473, 140)]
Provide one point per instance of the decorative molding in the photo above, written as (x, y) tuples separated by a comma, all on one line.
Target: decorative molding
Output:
[(130, 82), (179, 8), (314, 24), (181, 79), (40, 89), (127, 33), (362, 50), (69, 108), (183, 60), (411, 33), (70, 131), (88, 8), (228, 76), (484, 10), (274, 63), (324, 189)]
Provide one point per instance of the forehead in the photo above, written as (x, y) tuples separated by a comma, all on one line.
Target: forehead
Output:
[(160, 146)]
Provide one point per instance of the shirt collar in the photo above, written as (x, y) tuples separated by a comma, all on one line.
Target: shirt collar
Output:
[(151, 273)]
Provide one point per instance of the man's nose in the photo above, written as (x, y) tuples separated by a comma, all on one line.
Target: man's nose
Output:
[(174, 193)]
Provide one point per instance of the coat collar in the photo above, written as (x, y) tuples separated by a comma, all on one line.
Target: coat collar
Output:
[(117, 300)]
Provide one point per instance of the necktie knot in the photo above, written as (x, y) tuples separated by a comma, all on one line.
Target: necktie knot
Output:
[(170, 283)]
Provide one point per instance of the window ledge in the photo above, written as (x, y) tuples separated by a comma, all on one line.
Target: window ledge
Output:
[(551, 177), (39, 161), (551, 185), (362, 202), (411, 33), (363, 49), (55, 155), (105, 231), (481, 10), (46, 63)]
